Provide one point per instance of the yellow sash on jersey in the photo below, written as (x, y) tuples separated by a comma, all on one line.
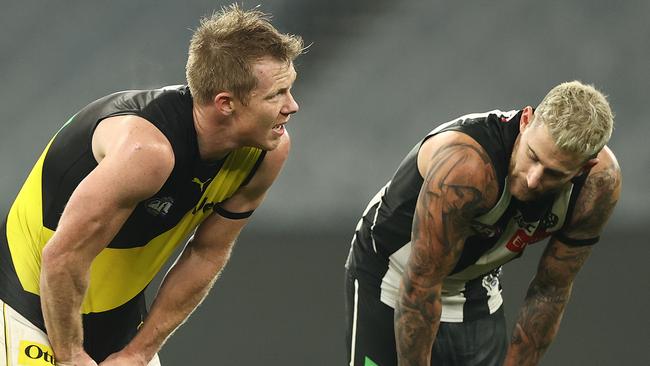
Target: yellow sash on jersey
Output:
[(116, 275)]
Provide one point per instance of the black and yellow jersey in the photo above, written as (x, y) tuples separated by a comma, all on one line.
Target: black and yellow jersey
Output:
[(131, 260)]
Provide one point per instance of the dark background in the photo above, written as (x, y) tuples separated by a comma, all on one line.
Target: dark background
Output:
[(378, 76)]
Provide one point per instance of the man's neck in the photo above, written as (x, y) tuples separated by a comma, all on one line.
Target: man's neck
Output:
[(216, 135)]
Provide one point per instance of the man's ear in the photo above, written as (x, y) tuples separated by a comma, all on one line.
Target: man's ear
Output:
[(527, 116), (588, 165), (224, 103)]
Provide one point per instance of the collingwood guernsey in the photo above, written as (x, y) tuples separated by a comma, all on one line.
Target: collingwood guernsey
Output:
[(382, 242)]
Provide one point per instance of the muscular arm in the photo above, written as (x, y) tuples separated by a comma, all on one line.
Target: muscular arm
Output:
[(459, 184), (191, 277), (129, 170), (540, 315)]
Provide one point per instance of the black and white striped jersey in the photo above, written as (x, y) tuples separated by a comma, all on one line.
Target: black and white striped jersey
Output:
[(382, 242)]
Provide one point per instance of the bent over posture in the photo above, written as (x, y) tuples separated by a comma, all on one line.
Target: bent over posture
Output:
[(423, 271), (126, 180)]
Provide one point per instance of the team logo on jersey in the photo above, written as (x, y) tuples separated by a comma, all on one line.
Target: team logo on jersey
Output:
[(159, 206), (490, 282), (35, 354), (202, 185), (549, 220)]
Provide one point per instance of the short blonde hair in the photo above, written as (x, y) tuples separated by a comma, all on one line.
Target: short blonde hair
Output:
[(225, 46), (578, 117)]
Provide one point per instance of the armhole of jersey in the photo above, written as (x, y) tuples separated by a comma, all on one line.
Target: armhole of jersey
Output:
[(578, 183), (254, 169)]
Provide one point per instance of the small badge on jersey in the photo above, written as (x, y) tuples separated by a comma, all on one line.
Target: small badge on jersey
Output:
[(35, 354), (159, 206)]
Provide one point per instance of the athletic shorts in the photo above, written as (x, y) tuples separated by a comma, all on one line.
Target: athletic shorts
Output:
[(24, 344), (370, 334)]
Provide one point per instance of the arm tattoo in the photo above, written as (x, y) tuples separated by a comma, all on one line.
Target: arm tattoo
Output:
[(596, 203), (459, 184), (540, 315)]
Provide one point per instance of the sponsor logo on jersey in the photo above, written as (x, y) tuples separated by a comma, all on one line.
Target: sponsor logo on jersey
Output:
[(204, 206), (202, 185), (529, 232), (159, 206), (35, 354)]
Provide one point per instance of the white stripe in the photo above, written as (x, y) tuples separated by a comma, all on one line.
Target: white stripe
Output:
[(5, 330), (354, 321), (379, 196)]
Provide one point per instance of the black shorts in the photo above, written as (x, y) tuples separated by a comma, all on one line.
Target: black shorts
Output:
[(479, 342)]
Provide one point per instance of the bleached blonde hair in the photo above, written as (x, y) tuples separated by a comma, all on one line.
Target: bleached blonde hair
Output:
[(225, 46), (578, 118)]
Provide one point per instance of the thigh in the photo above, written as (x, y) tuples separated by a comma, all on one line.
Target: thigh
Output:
[(22, 342), (370, 334), (482, 342)]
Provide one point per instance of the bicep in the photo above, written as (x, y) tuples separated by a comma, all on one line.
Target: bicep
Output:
[(97, 208), (596, 201), (459, 184)]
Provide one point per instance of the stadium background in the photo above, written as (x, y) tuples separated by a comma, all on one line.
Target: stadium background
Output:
[(378, 76)]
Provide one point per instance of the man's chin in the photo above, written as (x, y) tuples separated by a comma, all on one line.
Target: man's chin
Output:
[(523, 196)]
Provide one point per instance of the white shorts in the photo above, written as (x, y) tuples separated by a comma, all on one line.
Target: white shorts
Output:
[(24, 344)]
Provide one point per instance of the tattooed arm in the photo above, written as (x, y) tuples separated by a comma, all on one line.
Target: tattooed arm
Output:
[(540, 315), (459, 183)]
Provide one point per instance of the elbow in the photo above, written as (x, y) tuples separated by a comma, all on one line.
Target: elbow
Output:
[(57, 261), (550, 292)]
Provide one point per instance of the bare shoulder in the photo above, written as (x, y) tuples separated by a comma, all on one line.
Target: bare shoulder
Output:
[(132, 134), (134, 149), (457, 160), (597, 198)]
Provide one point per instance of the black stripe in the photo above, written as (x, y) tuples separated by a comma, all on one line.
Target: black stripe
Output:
[(232, 215), (575, 242), (254, 169), (476, 296)]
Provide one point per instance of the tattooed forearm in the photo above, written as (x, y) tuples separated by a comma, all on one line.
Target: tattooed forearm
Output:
[(540, 315), (459, 184)]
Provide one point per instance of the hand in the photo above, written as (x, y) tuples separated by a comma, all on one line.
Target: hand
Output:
[(124, 359), (82, 359)]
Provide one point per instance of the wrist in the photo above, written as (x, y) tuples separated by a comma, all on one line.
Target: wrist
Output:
[(141, 349)]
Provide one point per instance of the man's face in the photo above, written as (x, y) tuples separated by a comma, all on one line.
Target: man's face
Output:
[(270, 104), (537, 166)]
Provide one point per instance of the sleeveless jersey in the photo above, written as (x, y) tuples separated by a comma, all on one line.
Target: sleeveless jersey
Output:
[(382, 242), (154, 229)]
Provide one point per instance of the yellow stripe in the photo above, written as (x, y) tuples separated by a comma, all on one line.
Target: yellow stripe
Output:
[(25, 233), (117, 275)]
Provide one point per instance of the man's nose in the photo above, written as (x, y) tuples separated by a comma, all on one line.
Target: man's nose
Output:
[(534, 176), (291, 107)]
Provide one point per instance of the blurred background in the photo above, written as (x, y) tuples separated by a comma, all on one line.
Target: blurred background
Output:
[(378, 76)]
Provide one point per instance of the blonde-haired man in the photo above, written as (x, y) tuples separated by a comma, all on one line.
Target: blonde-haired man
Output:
[(125, 181), (423, 271)]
